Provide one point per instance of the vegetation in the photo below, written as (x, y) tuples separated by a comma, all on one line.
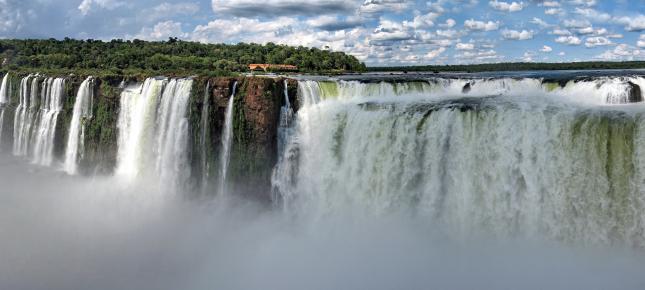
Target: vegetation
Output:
[(521, 66), (172, 57)]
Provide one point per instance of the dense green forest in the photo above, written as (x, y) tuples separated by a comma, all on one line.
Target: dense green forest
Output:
[(177, 57), (521, 66), (169, 57)]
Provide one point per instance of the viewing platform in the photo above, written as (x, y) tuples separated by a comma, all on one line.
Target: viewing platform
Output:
[(265, 67)]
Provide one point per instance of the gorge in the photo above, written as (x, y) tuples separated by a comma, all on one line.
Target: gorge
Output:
[(554, 157)]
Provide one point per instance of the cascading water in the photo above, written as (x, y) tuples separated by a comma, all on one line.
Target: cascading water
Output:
[(283, 172), (286, 116), (172, 133), (154, 115), (5, 90), (513, 164), (5, 96), (82, 111), (25, 114), (204, 138), (136, 125), (596, 91), (227, 140), (52, 103)]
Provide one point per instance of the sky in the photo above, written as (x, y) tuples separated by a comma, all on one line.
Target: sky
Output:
[(377, 32)]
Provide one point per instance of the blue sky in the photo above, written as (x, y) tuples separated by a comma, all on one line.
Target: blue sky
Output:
[(378, 32)]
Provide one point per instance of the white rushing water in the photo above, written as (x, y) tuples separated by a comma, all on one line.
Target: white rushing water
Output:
[(283, 171), (172, 133), (596, 91), (53, 90), (227, 140), (5, 96), (82, 111), (5, 90), (154, 115), (25, 114), (529, 168), (204, 138), (136, 125), (415, 185)]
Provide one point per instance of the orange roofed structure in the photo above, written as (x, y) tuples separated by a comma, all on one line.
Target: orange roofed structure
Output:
[(265, 67)]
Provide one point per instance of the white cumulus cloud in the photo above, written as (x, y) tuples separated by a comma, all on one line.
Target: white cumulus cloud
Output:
[(553, 11), (636, 23), (88, 5), (587, 3), (505, 6), (597, 41), (560, 31), (622, 52), (465, 46), (641, 41), (576, 23), (449, 23), (550, 4), (375, 7), (473, 24), (539, 22), (162, 31), (435, 53), (569, 40), (517, 35), (593, 14)]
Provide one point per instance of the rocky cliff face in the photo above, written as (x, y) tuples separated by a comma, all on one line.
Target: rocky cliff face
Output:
[(255, 122), (256, 119)]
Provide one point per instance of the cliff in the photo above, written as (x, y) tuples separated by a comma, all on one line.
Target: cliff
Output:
[(256, 118)]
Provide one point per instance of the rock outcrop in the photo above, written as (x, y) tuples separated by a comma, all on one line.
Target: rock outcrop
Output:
[(256, 120), (634, 93)]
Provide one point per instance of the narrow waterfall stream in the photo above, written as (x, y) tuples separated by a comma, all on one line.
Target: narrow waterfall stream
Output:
[(5, 96), (204, 139), (227, 140), (82, 111)]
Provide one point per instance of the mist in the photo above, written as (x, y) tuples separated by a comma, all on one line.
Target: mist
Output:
[(67, 232)]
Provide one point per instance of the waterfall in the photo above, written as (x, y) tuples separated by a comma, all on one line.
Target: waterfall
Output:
[(136, 125), (50, 107), (5, 96), (204, 137), (5, 90), (227, 141), (172, 133), (283, 172), (286, 116), (596, 91), (507, 165), (25, 113), (154, 116), (82, 111)]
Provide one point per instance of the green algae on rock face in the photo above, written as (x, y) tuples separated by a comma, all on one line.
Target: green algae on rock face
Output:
[(255, 123), (101, 130)]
